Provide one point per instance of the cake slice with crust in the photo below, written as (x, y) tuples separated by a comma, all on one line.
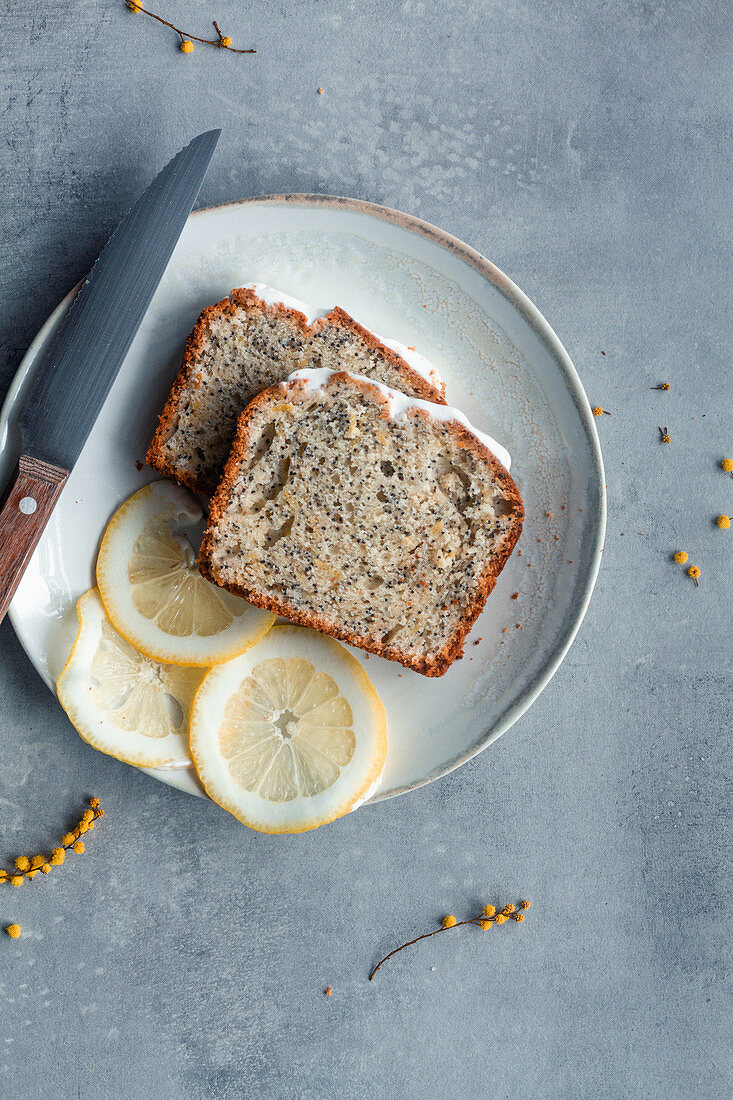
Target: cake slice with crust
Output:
[(377, 518), (253, 339)]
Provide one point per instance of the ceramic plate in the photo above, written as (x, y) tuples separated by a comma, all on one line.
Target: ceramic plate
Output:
[(503, 365)]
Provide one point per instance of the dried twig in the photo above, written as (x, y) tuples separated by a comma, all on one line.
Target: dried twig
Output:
[(485, 920), (222, 42)]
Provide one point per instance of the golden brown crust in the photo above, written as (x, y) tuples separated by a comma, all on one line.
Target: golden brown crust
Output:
[(245, 298), (440, 664), (156, 455)]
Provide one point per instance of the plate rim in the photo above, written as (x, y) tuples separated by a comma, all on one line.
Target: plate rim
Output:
[(532, 315)]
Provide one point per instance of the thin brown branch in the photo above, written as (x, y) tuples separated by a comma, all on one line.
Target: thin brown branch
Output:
[(184, 35), (425, 936), (482, 920)]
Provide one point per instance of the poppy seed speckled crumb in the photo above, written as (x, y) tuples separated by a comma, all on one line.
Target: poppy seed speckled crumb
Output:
[(239, 347), (388, 533)]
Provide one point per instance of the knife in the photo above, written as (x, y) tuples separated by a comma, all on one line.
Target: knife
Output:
[(83, 360)]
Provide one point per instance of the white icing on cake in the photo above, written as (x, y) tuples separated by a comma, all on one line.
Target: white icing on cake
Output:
[(400, 405), (414, 359), (417, 362), (272, 297)]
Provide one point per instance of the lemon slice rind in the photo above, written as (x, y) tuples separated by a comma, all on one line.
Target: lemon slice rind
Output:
[(358, 773), (142, 560), (143, 685)]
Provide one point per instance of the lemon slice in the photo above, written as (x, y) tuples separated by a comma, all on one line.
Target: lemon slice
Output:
[(153, 592), (289, 735), (119, 700)]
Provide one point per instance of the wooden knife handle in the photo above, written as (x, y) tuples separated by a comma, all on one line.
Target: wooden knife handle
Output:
[(33, 491)]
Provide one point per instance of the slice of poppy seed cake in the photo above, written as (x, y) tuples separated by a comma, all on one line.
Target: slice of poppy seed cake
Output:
[(253, 339), (374, 517)]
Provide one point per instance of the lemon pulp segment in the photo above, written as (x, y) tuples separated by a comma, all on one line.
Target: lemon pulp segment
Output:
[(290, 734), (287, 732), (135, 692), (167, 587), (121, 701)]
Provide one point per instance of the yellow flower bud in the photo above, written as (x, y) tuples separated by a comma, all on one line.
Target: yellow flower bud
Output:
[(186, 46), (38, 861), (500, 918), (82, 828), (22, 863), (525, 904), (58, 855), (13, 930), (727, 465), (519, 918), (508, 909), (680, 557), (723, 522), (67, 840), (449, 921), (87, 815), (17, 880), (489, 910), (79, 847), (46, 868), (94, 802), (225, 41), (485, 925)]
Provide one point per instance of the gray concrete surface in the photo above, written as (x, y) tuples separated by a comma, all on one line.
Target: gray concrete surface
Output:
[(584, 147)]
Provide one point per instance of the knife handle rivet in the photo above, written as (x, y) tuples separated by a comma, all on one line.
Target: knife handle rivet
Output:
[(28, 506)]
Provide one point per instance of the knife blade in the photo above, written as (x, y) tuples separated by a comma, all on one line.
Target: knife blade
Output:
[(85, 355)]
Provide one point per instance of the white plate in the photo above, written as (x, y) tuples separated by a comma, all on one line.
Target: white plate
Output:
[(502, 364)]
